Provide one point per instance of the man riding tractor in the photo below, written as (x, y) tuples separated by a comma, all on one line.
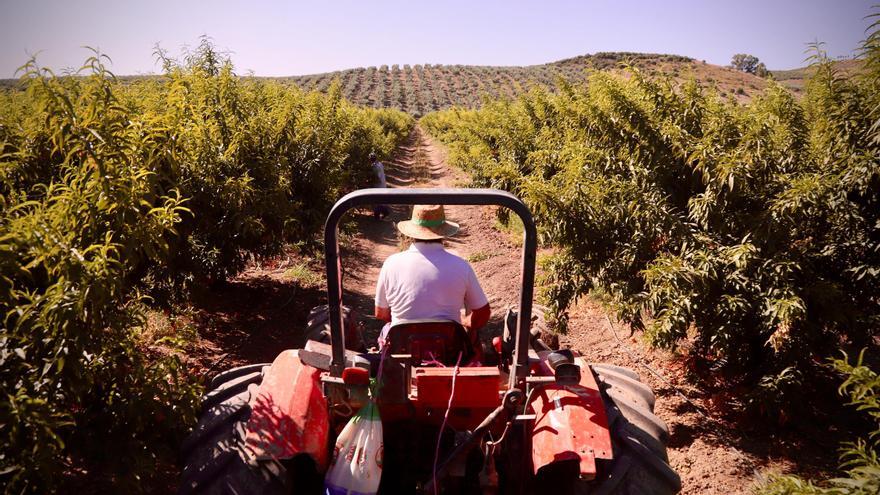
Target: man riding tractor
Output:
[(428, 282)]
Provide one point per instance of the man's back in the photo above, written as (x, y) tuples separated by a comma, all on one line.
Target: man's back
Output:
[(426, 281)]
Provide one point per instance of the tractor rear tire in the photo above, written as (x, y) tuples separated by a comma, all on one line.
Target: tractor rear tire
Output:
[(318, 327), (233, 382), (230, 374), (638, 437), (214, 457)]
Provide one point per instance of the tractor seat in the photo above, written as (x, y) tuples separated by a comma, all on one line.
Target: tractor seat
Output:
[(431, 341)]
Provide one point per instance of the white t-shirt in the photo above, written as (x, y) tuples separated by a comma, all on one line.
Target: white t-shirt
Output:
[(379, 169), (426, 281)]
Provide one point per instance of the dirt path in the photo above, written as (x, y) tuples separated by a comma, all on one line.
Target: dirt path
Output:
[(708, 463), (494, 254)]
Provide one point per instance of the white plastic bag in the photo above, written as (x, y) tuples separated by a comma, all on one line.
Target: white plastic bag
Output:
[(356, 466)]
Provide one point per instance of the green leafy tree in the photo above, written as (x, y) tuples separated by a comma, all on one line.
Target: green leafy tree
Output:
[(761, 70), (112, 191), (84, 211), (859, 460), (754, 225), (745, 63)]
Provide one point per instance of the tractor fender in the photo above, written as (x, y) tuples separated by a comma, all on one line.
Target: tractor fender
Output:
[(570, 423), (289, 414)]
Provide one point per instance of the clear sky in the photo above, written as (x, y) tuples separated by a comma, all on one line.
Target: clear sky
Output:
[(277, 38)]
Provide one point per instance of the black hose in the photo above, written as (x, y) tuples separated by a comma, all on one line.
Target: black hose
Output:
[(465, 446)]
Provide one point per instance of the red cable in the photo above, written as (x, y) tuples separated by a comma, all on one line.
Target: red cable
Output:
[(443, 424)]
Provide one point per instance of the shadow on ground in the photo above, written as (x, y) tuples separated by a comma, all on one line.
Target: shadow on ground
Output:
[(252, 319)]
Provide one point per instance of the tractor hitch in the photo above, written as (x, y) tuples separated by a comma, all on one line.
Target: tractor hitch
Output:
[(511, 402)]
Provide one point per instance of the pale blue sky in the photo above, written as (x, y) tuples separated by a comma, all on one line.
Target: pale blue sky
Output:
[(276, 38)]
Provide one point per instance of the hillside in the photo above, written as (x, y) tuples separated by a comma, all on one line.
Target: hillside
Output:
[(794, 79), (420, 89)]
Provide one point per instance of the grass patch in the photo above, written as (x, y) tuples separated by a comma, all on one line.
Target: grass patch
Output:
[(302, 274), (510, 224), (174, 327), (480, 256)]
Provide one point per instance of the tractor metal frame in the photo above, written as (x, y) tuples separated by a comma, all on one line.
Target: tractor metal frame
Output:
[(291, 409), (477, 197)]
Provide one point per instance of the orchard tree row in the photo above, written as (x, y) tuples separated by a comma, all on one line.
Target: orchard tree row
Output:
[(420, 89), (749, 233), (115, 192)]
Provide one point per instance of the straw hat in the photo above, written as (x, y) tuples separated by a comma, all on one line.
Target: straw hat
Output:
[(428, 223)]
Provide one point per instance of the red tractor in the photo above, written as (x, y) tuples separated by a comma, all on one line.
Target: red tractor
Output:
[(538, 421)]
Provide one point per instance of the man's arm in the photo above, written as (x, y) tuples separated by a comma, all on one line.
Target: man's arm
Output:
[(474, 321), (475, 298), (384, 314), (383, 309)]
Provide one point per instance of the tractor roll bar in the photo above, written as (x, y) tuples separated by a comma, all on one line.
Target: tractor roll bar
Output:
[(430, 196)]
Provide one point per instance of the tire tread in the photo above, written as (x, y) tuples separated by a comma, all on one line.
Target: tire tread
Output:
[(640, 464), (215, 459)]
